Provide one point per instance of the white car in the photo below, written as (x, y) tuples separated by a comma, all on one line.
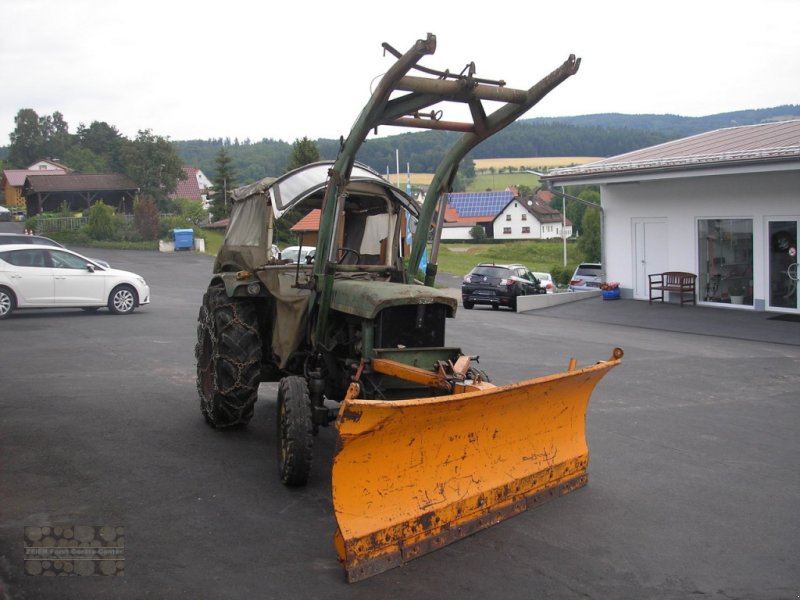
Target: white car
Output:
[(39, 276), (546, 281), (298, 254)]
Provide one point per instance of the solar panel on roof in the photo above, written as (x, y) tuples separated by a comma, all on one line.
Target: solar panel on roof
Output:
[(474, 204)]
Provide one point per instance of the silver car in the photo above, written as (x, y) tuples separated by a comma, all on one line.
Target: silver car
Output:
[(588, 276)]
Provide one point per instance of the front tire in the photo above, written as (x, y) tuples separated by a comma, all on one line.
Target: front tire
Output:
[(228, 354), (7, 302), (295, 431), (122, 300)]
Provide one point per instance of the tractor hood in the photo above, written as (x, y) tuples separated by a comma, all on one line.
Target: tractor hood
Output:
[(366, 299)]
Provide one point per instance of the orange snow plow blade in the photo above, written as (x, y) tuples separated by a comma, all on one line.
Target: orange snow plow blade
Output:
[(411, 476)]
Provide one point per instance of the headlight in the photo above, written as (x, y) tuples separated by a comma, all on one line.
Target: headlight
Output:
[(254, 289)]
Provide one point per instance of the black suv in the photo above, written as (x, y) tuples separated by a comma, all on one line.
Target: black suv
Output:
[(498, 285)]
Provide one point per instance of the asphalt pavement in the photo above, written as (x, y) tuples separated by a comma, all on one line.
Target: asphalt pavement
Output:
[(693, 480)]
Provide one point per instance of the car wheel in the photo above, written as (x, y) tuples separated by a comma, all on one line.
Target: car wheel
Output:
[(7, 302), (468, 305), (495, 307), (228, 354), (122, 300), (295, 431)]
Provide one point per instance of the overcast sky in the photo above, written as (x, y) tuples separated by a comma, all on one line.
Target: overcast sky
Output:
[(248, 69)]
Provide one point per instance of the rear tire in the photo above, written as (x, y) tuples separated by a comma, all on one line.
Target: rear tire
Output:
[(295, 431), (8, 302), (468, 305), (228, 354)]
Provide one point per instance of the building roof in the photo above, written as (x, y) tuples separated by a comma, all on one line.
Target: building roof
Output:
[(542, 211), (763, 144), (190, 187), (308, 223), (40, 183), (16, 177)]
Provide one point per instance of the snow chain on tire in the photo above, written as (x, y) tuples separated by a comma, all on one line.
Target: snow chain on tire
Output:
[(228, 354)]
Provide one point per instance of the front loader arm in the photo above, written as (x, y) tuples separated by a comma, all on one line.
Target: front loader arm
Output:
[(483, 127)]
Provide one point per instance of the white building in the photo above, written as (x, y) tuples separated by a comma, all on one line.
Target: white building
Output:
[(530, 219), (503, 216), (724, 205)]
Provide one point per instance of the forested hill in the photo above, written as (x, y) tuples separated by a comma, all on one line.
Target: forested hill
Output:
[(588, 135)]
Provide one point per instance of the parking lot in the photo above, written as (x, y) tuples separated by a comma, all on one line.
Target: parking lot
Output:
[(693, 481)]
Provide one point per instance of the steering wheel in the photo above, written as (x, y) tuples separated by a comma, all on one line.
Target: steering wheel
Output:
[(345, 252), (792, 272)]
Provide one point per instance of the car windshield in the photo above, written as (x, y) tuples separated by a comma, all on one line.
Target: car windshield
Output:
[(490, 271)]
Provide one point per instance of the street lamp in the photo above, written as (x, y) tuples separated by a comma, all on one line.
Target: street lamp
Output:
[(564, 197)]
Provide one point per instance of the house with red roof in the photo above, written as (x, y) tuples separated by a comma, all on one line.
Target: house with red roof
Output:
[(194, 187), (530, 218), (14, 180), (308, 227), (503, 215)]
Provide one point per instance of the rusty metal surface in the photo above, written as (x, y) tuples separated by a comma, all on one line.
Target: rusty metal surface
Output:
[(411, 476)]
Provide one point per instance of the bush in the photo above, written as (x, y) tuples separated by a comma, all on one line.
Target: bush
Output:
[(477, 233), (102, 223)]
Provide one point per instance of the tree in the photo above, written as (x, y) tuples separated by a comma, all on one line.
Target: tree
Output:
[(589, 242), (304, 152), (104, 141), (224, 181), (153, 163), (27, 141), (57, 137)]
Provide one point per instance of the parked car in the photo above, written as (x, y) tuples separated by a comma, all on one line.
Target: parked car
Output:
[(298, 254), (24, 238), (41, 276), (587, 276), (498, 285), (5, 214), (546, 281)]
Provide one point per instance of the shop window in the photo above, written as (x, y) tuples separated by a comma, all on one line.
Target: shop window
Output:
[(725, 252)]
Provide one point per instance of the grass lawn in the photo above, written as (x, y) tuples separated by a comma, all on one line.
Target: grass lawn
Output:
[(537, 255)]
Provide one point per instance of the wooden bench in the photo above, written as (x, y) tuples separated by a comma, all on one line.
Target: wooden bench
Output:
[(675, 282)]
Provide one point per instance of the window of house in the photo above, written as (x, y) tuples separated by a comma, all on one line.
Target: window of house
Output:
[(508, 217), (524, 217), (526, 230), (506, 229), (725, 255)]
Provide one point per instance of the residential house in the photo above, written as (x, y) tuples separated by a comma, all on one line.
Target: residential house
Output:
[(194, 187), (503, 215), (724, 205), (530, 218), (14, 180), (308, 228)]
